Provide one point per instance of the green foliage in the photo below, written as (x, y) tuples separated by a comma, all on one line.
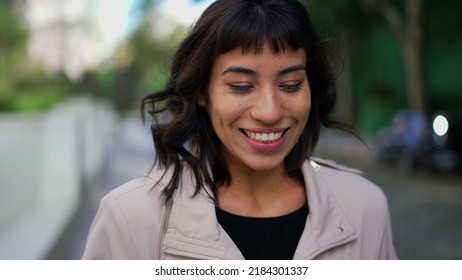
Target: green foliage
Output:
[(29, 88), (12, 40), (33, 100), (12, 34), (378, 80), (443, 53), (142, 64), (23, 85)]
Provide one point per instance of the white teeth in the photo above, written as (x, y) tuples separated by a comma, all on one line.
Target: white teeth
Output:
[(264, 137)]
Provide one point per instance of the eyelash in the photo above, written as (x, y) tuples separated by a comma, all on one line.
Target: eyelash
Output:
[(237, 88), (247, 88), (291, 87)]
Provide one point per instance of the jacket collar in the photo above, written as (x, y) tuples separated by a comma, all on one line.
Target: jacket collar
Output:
[(326, 226), (193, 230)]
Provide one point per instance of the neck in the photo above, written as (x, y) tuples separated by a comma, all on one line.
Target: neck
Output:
[(262, 193), (256, 182)]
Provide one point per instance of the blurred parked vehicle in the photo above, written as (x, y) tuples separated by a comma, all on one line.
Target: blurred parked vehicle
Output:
[(446, 141), (414, 139)]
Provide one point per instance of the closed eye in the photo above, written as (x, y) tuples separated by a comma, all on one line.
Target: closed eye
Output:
[(240, 88), (291, 87)]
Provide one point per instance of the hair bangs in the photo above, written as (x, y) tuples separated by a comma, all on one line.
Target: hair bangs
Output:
[(256, 26)]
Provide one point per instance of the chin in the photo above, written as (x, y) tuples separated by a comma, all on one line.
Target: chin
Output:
[(264, 165)]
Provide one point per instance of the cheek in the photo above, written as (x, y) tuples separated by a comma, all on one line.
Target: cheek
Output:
[(219, 114), (241, 108), (300, 108), (306, 108), (227, 109)]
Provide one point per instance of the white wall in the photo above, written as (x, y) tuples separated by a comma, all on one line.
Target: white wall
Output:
[(44, 158)]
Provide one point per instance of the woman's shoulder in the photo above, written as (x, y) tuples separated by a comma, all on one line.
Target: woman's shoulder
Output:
[(128, 221), (348, 184), (144, 191), (346, 192), (331, 165)]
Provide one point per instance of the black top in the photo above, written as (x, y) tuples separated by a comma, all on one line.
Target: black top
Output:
[(265, 238)]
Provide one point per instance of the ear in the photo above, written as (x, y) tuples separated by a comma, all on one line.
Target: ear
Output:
[(202, 100)]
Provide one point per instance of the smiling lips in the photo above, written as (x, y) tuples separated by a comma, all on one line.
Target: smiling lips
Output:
[(264, 138)]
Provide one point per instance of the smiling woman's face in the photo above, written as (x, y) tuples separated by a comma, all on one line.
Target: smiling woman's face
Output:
[(258, 105)]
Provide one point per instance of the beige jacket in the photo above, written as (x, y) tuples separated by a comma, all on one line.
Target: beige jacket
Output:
[(348, 219)]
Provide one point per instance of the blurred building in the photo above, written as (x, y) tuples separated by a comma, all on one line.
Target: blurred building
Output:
[(73, 35)]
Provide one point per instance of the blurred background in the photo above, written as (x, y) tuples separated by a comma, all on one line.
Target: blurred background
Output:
[(72, 73)]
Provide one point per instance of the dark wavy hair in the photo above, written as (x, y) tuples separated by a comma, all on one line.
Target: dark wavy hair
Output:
[(224, 26)]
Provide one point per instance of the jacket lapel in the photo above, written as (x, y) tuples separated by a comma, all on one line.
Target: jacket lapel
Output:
[(193, 231), (326, 226)]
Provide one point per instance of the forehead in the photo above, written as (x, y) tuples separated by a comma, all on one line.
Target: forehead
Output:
[(267, 57)]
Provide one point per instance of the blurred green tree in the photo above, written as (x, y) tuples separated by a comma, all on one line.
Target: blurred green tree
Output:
[(12, 47), (139, 65), (142, 62), (399, 53), (342, 22), (24, 86), (407, 26), (366, 97)]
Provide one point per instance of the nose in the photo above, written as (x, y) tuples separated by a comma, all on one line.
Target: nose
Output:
[(267, 107)]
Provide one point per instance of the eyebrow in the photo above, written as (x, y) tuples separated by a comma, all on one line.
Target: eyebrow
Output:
[(243, 70), (238, 69), (290, 69)]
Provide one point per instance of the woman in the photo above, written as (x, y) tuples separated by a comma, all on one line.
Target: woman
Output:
[(250, 87)]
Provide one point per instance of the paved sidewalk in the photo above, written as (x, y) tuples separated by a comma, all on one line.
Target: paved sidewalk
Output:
[(130, 156)]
